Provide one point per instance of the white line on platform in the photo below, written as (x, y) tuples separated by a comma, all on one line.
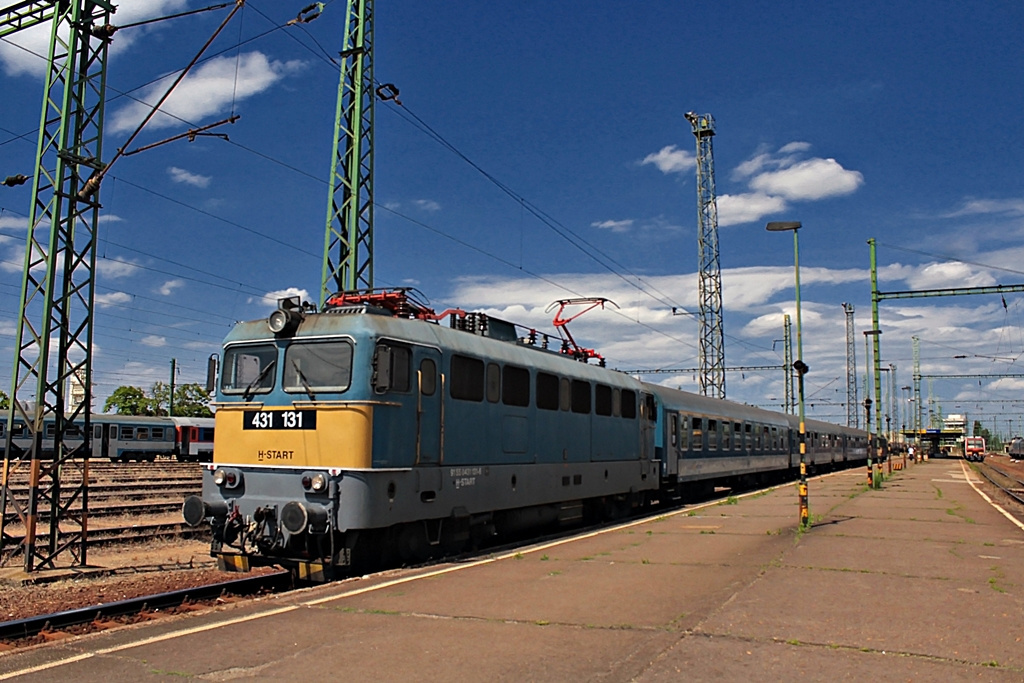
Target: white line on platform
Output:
[(997, 506)]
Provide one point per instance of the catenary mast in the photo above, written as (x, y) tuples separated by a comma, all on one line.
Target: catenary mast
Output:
[(348, 242), (712, 347)]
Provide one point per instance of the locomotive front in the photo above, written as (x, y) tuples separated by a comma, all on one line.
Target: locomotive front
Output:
[(293, 439)]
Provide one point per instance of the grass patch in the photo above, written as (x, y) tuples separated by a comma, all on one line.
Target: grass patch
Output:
[(707, 531)]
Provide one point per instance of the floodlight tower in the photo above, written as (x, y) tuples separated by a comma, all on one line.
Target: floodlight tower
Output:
[(348, 242), (712, 347), (55, 318), (852, 414)]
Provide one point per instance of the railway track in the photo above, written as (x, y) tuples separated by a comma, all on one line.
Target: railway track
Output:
[(101, 615), (1007, 482)]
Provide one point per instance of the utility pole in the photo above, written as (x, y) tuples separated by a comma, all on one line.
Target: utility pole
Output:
[(348, 242), (170, 400), (712, 345)]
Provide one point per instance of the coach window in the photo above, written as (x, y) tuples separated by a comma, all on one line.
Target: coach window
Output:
[(127, 433), (698, 433), (467, 378), (726, 436), (142, 434), (515, 383), (748, 436), (493, 383), (428, 377), (629, 404), (97, 431), (312, 367), (158, 433), (248, 369), (581, 396), (564, 394), (547, 391), (712, 435), (652, 415), (673, 428), (684, 433), (603, 399)]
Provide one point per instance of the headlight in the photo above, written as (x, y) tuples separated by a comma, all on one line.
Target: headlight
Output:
[(319, 482), (219, 477)]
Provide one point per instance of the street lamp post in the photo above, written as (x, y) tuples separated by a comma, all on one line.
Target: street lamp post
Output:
[(798, 365)]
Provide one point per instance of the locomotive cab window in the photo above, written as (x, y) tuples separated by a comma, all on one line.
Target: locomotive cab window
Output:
[(493, 382), (248, 369), (326, 366), (391, 367)]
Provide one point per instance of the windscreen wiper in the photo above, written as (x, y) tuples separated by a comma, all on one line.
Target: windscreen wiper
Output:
[(256, 382), (305, 382)]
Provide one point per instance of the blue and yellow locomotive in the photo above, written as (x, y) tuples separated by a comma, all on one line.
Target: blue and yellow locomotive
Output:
[(367, 432)]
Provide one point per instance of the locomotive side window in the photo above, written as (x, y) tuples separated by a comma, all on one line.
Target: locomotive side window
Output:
[(248, 369), (515, 386), (467, 378), (603, 399), (547, 391), (564, 394), (428, 377), (629, 404), (580, 396), (327, 366), (617, 402)]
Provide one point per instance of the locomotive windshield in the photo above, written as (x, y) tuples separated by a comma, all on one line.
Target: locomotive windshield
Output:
[(247, 369), (318, 366)]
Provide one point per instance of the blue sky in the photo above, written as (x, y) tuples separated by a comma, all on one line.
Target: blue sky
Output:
[(893, 121)]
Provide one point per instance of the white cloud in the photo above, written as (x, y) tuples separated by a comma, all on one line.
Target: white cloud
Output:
[(944, 275), (205, 91), (734, 209), (809, 180), (154, 340), (614, 226), (794, 147), (670, 159), (13, 222), (25, 52), (180, 175), (167, 288), (114, 268), (113, 299), (1013, 207), (427, 205)]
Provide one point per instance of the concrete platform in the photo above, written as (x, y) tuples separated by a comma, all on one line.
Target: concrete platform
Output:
[(922, 580)]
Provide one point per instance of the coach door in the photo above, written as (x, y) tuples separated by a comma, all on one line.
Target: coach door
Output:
[(429, 408), (101, 432), (648, 416)]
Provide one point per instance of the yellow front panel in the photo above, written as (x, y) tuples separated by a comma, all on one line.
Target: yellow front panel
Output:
[(343, 438)]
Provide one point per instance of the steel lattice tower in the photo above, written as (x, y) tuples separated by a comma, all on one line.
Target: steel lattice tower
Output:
[(787, 361), (55, 320), (852, 413), (348, 243), (712, 347)]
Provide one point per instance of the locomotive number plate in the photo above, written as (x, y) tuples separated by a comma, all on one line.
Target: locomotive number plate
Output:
[(279, 419)]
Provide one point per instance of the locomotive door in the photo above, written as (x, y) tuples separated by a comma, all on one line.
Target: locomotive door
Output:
[(429, 408)]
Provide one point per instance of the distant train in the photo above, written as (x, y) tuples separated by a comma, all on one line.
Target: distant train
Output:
[(368, 433), (974, 448), (123, 438)]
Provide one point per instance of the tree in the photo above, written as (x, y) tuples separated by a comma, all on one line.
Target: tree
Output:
[(128, 400), (190, 400), (5, 401)]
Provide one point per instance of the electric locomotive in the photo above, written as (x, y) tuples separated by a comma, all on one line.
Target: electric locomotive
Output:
[(369, 433)]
